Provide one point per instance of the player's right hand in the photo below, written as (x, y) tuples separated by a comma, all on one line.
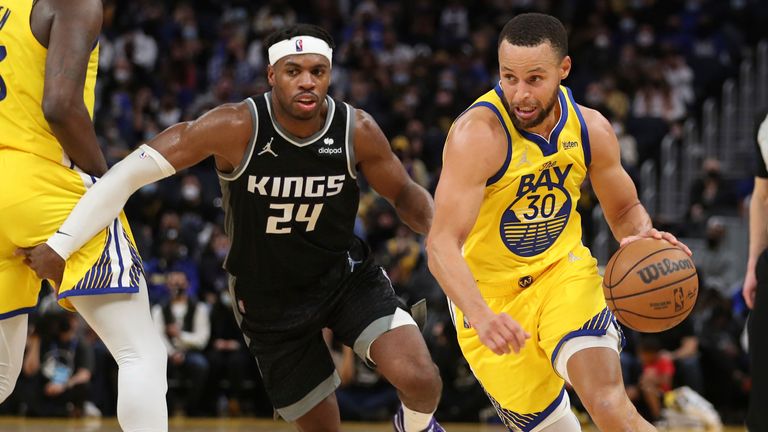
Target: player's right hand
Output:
[(46, 263), (500, 333)]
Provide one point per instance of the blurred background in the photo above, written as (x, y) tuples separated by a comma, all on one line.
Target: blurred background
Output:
[(682, 81)]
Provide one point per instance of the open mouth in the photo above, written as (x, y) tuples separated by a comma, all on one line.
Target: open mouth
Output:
[(525, 113), (306, 102)]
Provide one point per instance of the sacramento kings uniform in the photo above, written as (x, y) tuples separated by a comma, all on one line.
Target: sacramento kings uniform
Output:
[(296, 265)]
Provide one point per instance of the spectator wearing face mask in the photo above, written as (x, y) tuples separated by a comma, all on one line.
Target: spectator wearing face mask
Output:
[(234, 385), (715, 263), (58, 364), (185, 327), (710, 195)]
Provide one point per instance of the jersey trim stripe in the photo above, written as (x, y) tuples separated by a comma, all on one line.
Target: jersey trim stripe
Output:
[(302, 142), (119, 254), (5, 18), (500, 173), (237, 172), (549, 148), (16, 312), (350, 142), (597, 326), (584, 131)]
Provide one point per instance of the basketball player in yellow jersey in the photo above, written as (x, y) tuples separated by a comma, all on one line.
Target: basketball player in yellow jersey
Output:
[(49, 155), (506, 247)]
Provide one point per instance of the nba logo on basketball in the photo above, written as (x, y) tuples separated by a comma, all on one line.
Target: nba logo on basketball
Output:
[(299, 45), (679, 299)]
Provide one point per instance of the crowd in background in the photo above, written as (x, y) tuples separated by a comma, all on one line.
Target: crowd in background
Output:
[(414, 66)]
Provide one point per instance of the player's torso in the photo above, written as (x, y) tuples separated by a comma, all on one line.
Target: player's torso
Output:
[(528, 217), (290, 212), (22, 75)]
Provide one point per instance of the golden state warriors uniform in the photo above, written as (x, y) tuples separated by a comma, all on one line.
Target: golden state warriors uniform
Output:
[(526, 255), (40, 186)]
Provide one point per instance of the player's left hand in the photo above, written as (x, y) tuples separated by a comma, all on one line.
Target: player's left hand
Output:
[(659, 235), (46, 263)]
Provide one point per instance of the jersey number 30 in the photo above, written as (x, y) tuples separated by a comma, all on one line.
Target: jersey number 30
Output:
[(3, 89), (303, 214)]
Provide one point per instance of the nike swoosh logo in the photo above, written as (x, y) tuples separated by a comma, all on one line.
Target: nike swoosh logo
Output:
[(63, 233)]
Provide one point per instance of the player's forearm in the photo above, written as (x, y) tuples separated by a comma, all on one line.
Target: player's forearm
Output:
[(415, 207), (631, 220), (758, 226), (73, 128), (454, 276), (104, 200)]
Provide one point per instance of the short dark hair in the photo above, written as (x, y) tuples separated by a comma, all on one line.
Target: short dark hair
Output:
[(533, 29), (299, 30)]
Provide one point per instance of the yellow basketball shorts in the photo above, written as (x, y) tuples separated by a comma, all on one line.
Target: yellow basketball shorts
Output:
[(36, 197), (562, 302)]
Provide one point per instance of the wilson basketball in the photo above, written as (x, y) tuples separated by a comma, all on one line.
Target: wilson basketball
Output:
[(650, 285)]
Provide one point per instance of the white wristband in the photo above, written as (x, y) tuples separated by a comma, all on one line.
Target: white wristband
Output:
[(103, 202)]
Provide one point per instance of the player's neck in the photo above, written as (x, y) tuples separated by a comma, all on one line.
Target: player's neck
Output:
[(300, 128)]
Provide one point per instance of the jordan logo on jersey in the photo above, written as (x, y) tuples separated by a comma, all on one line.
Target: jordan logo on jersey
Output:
[(540, 212), (268, 148)]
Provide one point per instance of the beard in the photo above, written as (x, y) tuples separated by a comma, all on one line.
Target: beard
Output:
[(543, 114)]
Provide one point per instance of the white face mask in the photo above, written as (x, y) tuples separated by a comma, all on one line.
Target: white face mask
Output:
[(190, 192), (225, 298)]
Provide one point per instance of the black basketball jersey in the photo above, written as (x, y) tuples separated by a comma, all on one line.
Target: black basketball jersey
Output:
[(290, 206)]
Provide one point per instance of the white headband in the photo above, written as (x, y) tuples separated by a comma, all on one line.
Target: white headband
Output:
[(299, 45)]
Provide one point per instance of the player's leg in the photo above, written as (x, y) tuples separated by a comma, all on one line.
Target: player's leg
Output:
[(602, 392), (368, 319), (124, 324), (13, 336), (401, 356), (323, 417)]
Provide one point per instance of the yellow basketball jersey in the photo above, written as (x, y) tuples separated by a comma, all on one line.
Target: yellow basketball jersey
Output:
[(22, 75), (528, 217)]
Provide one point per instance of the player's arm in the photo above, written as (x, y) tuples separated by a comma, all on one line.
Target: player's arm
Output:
[(74, 30), (223, 132), (474, 152), (614, 188), (758, 219), (385, 173)]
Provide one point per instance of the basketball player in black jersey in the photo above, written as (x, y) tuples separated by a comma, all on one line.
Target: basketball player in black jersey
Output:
[(288, 163)]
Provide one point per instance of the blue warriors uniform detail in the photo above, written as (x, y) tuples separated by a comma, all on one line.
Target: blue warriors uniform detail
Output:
[(526, 256), (41, 185), (525, 422), (597, 326)]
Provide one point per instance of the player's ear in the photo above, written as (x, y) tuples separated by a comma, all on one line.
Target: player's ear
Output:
[(565, 67), (271, 75)]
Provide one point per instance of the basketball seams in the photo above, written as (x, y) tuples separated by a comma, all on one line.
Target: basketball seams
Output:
[(684, 312), (638, 262), (654, 289)]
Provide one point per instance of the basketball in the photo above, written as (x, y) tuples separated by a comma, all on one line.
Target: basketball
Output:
[(650, 285)]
